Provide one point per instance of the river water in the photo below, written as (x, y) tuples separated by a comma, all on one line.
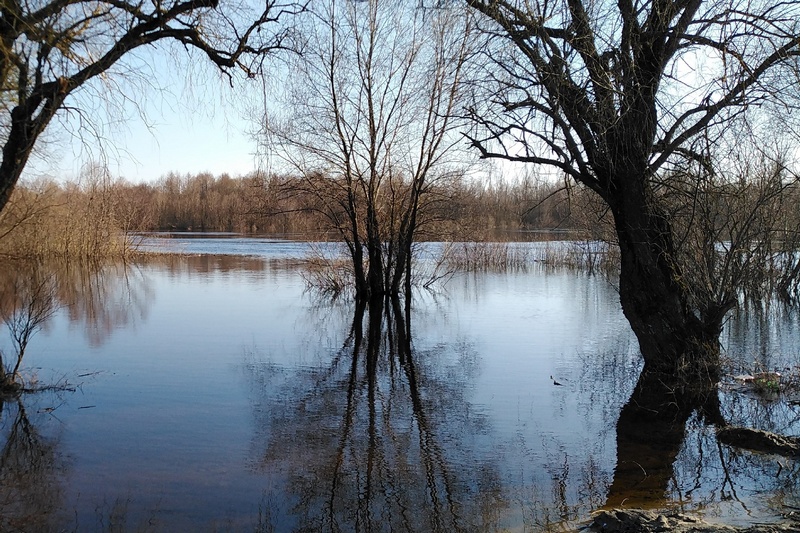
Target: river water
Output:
[(215, 393)]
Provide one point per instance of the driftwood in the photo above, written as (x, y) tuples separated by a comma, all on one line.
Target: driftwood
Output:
[(759, 441), (639, 521)]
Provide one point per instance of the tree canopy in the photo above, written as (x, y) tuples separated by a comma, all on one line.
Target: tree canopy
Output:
[(49, 49), (620, 95), (368, 124)]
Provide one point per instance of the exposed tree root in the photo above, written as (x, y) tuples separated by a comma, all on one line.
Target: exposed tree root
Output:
[(759, 441), (639, 521)]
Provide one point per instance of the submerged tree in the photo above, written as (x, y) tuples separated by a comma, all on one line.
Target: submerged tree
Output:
[(50, 49), (614, 95), (369, 130)]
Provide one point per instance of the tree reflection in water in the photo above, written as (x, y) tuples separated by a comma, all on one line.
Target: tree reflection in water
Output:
[(32, 474), (668, 455), (100, 297), (379, 436), (377, 439), (373, 432), (650, 433)]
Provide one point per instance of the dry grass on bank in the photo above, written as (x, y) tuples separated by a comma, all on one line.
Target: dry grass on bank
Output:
[(46, 220)]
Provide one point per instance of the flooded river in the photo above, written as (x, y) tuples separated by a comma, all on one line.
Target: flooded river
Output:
[(215, 393)]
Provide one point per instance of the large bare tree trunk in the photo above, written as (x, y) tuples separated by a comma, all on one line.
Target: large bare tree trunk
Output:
[(674, 339), (591, 92)]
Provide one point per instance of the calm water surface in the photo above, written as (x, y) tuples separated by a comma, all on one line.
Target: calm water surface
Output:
[(213, 393)]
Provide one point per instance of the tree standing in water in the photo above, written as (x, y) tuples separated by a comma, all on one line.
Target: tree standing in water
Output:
[(367, 127), (617, 95)]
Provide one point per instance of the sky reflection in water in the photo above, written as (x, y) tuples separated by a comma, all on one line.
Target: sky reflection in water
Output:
[(216, 394)]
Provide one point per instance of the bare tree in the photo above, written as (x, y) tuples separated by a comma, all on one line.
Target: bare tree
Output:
[(369, 131), (50, 49), (29, 303), (730, 216), (613, 95)]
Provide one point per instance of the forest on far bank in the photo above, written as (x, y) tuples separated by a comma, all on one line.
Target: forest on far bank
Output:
[(92, 215), (70, 218)]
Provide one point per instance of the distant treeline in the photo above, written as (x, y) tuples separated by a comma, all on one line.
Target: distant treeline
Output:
[(81, 218), (93, 216), (266, 204)]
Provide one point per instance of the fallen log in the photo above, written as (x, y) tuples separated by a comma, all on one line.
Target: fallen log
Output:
[(759, 441)]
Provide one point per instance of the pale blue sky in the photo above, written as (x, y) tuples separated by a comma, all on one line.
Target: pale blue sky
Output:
[(184, 143), (176, 115)]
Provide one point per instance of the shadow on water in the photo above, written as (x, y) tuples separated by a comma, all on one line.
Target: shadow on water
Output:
[(372, 441)]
